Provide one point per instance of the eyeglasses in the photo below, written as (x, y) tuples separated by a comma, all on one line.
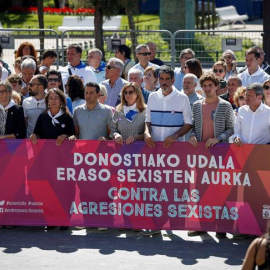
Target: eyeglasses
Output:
[(128, 92), (145, 53), (266, 87), (3, 92), (241, 98), (218, 70), (32, 84), (53, 80), (110, 67)]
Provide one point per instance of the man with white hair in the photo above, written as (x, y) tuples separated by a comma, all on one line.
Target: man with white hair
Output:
[(136, 76), (28, 68), (94, 61), (114, 82), (189, 85)]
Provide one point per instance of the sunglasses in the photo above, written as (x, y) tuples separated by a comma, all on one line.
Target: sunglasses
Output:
[(266, 87), (145, 53), (241, 98), (53, 80), (32, 84), (218, 70), (128, 92), (110, 67)]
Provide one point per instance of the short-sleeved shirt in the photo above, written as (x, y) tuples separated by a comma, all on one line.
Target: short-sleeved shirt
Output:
[(167, 114), (92, 123), (32, 108)]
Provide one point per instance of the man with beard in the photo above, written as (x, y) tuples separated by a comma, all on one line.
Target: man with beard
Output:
[(168, 116), (168, 113), (34, 105)]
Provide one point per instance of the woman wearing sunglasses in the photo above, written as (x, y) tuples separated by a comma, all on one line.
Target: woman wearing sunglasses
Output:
[(219, 69), (266, 92), (129, 117)]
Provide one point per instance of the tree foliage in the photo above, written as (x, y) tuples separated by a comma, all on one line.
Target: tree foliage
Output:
[(108, 8)]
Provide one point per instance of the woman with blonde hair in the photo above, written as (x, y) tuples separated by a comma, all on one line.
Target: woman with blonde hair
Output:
[(266, 92), (239, 97), (129, 117)]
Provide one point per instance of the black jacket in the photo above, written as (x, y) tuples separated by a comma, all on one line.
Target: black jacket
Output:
[(15, 123)]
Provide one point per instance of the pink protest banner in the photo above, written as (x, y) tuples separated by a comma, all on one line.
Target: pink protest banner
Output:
[(101, 184)]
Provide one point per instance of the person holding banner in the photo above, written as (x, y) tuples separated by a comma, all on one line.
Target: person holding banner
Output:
[(168, 112), (168, 117), (129, 116), (12, 124), (56, 122), (85, 116), (213, 121), (253, 119)]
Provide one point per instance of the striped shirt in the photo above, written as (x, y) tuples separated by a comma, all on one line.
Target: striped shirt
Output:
[(167, 114)]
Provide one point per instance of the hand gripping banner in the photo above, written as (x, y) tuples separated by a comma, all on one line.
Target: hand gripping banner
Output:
[(100, 184)]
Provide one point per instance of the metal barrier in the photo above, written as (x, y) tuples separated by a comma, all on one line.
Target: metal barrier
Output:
[(207, 44), (11, 38), (85, 38)]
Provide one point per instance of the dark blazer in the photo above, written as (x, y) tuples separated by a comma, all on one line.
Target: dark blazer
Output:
[(15, 123)]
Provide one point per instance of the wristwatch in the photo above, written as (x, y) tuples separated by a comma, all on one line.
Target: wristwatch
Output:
[(220, 139)]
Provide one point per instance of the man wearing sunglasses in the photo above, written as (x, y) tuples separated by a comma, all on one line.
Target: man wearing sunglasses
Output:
[(34, 105), (179, 73), (143, 54), (114, 82)]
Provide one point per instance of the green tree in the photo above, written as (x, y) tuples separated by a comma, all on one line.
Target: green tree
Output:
[(41, 23), (103, 8), (107, 8)]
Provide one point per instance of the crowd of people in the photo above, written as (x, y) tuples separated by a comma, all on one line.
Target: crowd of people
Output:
[(126, 101)]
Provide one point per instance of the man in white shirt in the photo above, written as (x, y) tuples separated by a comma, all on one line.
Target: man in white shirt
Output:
[(76, 66), (168, 112), (34, 105), (94, 61), (253, 119), (168, 116), (253, 73)]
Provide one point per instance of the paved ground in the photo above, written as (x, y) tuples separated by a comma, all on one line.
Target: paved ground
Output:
[(33, 248)]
